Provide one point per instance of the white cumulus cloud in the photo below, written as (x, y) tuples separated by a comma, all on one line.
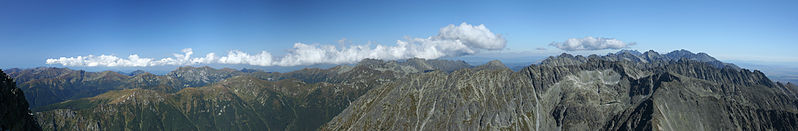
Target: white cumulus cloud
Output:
[(591, 43), (133, 60), (452, 40), (237, 57)]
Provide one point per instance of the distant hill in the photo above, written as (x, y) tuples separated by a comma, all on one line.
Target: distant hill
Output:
[(52, 85)]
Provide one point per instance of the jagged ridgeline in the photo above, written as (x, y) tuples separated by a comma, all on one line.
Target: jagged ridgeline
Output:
[(627, 90)]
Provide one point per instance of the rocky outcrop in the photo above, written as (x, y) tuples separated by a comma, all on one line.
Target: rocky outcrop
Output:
[(14, 112), (492, 65)]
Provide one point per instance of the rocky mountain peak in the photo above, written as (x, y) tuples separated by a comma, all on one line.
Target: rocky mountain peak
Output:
[(492, 65), (652, 53), (370, 61), (637, 57), (631, 52), (563, 59)]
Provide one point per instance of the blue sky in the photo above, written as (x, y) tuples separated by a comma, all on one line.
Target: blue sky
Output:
[(33, 31)]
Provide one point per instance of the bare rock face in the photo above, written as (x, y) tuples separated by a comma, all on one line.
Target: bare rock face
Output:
[(14, 112), (580, 93)]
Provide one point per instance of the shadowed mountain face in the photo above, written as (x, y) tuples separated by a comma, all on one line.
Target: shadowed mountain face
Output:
[(14, 113), (627, 90)]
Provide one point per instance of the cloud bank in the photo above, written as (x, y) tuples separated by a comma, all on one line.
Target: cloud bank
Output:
[(590, 43), (451, 41)]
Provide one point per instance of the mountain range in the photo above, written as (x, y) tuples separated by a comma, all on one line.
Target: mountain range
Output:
[(581, 93), (627, 90)]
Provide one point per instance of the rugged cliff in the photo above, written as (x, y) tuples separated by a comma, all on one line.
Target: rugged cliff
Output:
[(14, 112)]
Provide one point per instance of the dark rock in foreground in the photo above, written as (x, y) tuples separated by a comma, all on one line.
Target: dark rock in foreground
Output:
[(14, 113)]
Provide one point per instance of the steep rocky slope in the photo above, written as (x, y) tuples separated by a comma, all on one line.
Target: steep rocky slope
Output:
[(14, 113), (580, 93)]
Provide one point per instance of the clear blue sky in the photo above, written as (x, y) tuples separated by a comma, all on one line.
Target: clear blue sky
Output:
[(32, 31)]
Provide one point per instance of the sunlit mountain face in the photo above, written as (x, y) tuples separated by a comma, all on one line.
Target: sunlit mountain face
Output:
[(398, 65)]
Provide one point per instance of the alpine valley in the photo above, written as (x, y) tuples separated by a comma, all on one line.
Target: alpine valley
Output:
[(627, 90)]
